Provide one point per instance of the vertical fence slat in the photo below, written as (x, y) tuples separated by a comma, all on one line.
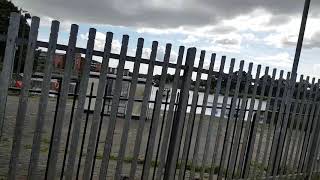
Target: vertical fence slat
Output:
[(254, 122), (302, 131), (248, 122), (306, 160), (194, 104), (22, 46), (80, 106), (55, 145), (282, 137), (277, 128), (177, 126), (313, 139), (43, 103), (310, 123), (304, 121), (203, 109), (161, 131), (164, 144), (296, 133), (144, 107), (96, 145), (98, 107), (114, 109), (8, 61), (125, 130), (222, 115), (74, 99), (156, 115), (265, 116), (222, 118), (289, 133), (225, 145), (210, 127), (86, 127), (272, 120), (24, 95), (239, 126), (314, 148)]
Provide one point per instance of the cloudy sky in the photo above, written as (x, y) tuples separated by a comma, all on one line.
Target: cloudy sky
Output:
[(260, 31)]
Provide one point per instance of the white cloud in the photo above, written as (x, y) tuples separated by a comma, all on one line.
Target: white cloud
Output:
[(45, 21), (286, 35), (282, 60), (213, 25), (158, 13), (249, 37), (100, 42), (255, 21), (159, 31), (189, 39)]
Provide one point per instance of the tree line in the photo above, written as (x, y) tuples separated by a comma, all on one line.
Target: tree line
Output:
[(6, 7), (245, 77)]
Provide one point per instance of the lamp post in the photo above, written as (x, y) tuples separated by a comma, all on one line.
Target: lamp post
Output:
[(280, 134), (300, 39)]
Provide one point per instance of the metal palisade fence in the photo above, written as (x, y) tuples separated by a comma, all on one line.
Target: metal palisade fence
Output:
[(218, 120)]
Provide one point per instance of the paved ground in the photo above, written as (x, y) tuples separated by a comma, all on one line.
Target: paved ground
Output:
[(5, 145)]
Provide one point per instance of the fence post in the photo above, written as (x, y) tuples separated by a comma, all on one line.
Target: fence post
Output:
[(313, 149), (23, 101), (57, 128), (84, 130), (170, 115), (101, 92), (130, 105), (43, 103), (157, 107), (144, 107), (161, 131), (182, 107), (8, 64), (81, 101), (192, 114), (114, 109)]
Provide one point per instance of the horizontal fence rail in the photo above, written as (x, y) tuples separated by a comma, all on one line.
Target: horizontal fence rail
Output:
[(243, 121)]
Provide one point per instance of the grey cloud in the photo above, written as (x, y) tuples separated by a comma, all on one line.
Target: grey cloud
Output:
[(278, 20), (227, 41), (309, 43), (115, 13), (277, 7), (314, 41), (223, 29), (146, 13)]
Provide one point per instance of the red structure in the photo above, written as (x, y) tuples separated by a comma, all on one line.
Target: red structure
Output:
[(59, 62)]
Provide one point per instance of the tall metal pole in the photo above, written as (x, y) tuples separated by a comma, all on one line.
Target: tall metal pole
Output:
[(281, 130), (300, 39)]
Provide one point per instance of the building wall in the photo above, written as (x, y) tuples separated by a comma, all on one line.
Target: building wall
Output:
[(59, 61), (79, 63)]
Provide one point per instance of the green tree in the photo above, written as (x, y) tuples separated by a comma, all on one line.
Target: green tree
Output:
[(6, 7)]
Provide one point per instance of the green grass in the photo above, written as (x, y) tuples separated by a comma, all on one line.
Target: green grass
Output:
[(99, 156), (44, 149), (28, 146), (46, 140), (129, 160)]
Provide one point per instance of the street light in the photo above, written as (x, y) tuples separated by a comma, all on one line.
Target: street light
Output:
[(300, 39)]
